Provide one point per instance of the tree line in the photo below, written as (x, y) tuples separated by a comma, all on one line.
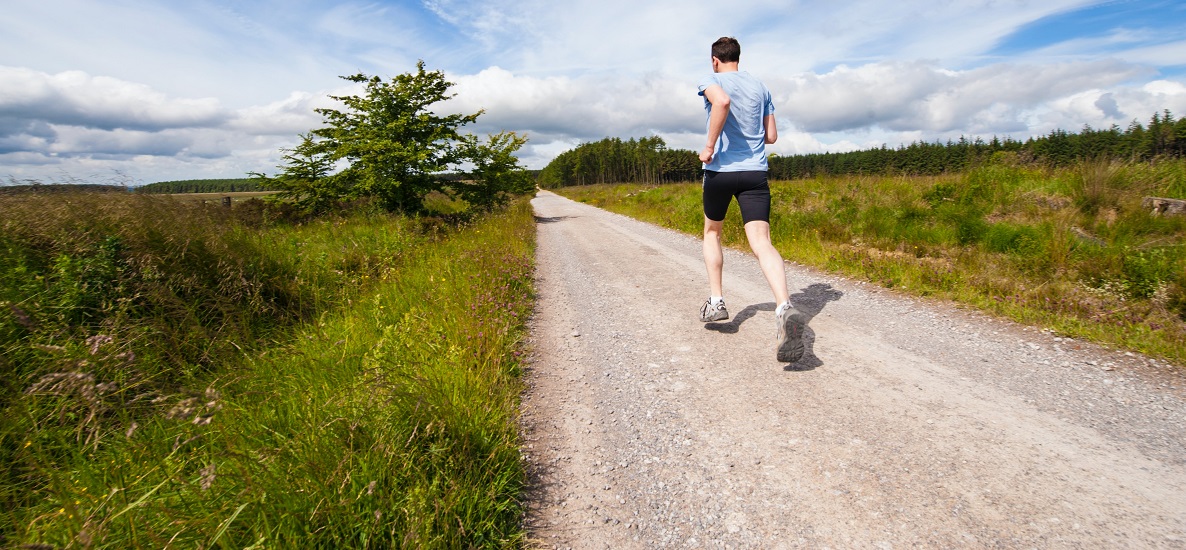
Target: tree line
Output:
[(24, 188), (647, 160), (205, 186)]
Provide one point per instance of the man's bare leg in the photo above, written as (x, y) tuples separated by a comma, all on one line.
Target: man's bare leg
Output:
[(758, 233), (714, 262), (791, 322), (714, 257)]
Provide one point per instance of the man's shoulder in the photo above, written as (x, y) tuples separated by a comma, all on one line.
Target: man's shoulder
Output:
[(708, 80), (733, 78)]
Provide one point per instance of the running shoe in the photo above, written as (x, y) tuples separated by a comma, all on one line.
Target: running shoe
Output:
[(791, 323), (710, 312)]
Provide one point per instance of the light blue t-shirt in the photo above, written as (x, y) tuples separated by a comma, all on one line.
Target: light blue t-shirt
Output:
[(742, 146)]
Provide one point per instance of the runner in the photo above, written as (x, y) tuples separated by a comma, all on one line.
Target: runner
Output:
[(740, 125)]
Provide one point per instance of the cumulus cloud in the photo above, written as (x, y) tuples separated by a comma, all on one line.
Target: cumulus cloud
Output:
[(48, 118), (292, 115), (583, 108), (79, 121), (77, 99), (904, 96), (73, 140)]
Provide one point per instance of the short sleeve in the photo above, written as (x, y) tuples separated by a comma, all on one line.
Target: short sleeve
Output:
[(707, 81)]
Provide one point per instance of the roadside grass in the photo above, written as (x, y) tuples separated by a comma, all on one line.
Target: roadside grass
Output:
[(1068, 250), (174, 378)]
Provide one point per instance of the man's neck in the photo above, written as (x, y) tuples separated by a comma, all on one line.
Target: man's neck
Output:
[(725, 67)]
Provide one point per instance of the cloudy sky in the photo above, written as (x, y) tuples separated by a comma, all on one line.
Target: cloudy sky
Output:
[(135, 91)]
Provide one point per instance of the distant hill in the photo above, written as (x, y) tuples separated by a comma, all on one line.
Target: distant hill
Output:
[(204, 186)]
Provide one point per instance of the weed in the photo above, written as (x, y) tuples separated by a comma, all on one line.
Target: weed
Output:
[(1145, 272), (1097, 185)]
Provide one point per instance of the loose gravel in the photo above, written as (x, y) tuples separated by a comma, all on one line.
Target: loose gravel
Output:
[(908, 422)]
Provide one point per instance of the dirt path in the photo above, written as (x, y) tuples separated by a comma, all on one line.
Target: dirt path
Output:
[(908, 423)]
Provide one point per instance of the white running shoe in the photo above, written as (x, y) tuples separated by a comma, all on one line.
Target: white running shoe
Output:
[(791, 323), (710, 312)]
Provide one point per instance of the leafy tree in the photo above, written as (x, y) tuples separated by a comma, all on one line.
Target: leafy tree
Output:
[(395, 148), (496, 175), (394, 144), (305, 177)]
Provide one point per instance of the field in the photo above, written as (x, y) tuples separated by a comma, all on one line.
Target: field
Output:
[(217, 197), (179, 377), (1070, 250)]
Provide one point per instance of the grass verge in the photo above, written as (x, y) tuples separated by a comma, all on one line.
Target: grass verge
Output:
[(377, 411), (1069, 250)]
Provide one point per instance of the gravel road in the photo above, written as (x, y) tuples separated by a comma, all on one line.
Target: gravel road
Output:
[(908, 423)]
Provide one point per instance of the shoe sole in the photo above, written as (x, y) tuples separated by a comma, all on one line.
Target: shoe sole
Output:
[(790, 343)]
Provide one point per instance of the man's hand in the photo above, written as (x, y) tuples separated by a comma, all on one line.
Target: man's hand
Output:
[(706, 154)]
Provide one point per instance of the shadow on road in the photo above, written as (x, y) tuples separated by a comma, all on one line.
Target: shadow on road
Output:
[(810, 301), (742, 316), (547, 219)]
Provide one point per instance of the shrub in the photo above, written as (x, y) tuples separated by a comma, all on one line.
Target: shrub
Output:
[(1146, 271), (969, 226), (940, 193), (1022, 240)]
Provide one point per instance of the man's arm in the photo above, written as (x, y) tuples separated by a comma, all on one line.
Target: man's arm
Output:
[(716, 119), (771, 129)]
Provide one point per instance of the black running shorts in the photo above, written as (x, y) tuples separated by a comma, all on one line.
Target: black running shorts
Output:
[(750, 188)]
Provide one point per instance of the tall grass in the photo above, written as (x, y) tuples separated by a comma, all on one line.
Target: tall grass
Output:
[(1071, 249), (347, 382)]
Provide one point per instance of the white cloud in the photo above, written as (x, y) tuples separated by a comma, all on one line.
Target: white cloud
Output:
[(74, 140), (290, 116), (903, 96), (78, 99), (54, 127), (794, 142), (1165, 88), (583, 108), (1168, 54)]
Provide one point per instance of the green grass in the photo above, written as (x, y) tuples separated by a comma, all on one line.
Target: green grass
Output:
[(347, 382), (1069, 250)]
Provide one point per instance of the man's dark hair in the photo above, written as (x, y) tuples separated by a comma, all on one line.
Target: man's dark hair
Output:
[(726, 49)]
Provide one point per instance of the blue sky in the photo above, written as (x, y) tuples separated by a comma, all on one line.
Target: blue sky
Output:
[(135, 91)]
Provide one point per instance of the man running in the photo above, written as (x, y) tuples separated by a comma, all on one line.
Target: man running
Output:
[(740, 125)]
